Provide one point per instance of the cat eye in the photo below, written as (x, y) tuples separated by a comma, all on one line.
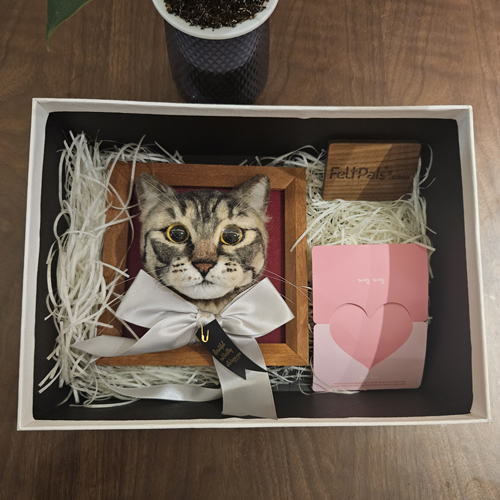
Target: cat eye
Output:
[(177, 233), (231, 235)]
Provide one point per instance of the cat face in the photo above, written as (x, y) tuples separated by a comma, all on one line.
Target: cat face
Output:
[(204, 244)]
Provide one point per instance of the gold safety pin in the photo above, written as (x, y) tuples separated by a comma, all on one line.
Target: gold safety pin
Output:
[(204, 336)]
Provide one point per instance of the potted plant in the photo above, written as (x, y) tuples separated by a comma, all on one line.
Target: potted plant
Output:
[(218, 49)]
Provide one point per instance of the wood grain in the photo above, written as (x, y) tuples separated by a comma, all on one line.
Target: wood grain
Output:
[(115, 246), (363, 53), (369, 172)]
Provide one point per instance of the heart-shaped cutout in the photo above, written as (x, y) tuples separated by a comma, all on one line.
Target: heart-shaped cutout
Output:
[(370, 340)]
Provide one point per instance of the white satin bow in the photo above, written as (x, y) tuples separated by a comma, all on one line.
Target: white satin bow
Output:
[(173, 323)]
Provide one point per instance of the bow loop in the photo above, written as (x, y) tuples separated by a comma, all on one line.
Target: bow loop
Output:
[(256, 312), (147, 302)]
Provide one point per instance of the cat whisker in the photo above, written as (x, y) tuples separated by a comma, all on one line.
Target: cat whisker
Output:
[(167, 196), (284, 280), (288, 299), (243, 200), (266, 273)]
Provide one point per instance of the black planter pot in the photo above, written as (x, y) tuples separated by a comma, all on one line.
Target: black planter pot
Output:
[(230, 71)]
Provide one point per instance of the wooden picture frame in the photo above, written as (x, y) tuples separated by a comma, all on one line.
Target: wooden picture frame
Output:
[(295, 350)]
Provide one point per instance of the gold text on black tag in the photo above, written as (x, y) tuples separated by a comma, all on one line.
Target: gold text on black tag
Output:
[(223, 349)]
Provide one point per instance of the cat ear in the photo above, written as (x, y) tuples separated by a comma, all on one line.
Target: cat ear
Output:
[(150, 191), (255, 193)]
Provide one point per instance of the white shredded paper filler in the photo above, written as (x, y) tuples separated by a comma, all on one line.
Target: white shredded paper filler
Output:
[(80, 294)]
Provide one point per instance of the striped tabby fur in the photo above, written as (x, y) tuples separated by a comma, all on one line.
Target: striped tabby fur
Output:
[(204, 269)]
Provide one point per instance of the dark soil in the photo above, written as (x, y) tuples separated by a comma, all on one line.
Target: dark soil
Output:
[(215, 13)]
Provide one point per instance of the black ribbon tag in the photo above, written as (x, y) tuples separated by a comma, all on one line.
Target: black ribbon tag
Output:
[(223, 349)]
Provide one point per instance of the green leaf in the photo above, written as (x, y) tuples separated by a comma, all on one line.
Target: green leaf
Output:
[(59, 11)]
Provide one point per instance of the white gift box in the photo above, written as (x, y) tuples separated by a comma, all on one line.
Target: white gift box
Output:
[(454, 387)]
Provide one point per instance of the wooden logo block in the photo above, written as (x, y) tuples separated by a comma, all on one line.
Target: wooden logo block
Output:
[(369, 171)]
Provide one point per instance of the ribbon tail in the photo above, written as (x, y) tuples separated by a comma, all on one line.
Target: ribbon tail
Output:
[(250, 397), (171, 392), (105, 346), (155, 340)]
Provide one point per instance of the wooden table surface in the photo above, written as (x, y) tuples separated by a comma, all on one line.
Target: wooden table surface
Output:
[(343, 52)]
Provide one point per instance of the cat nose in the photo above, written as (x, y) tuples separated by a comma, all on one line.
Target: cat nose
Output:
[(203, 267)]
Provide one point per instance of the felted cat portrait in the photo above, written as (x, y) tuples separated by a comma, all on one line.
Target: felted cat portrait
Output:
[(208, 246)]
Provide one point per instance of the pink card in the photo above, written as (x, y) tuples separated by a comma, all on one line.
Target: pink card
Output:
[(370, 303)]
